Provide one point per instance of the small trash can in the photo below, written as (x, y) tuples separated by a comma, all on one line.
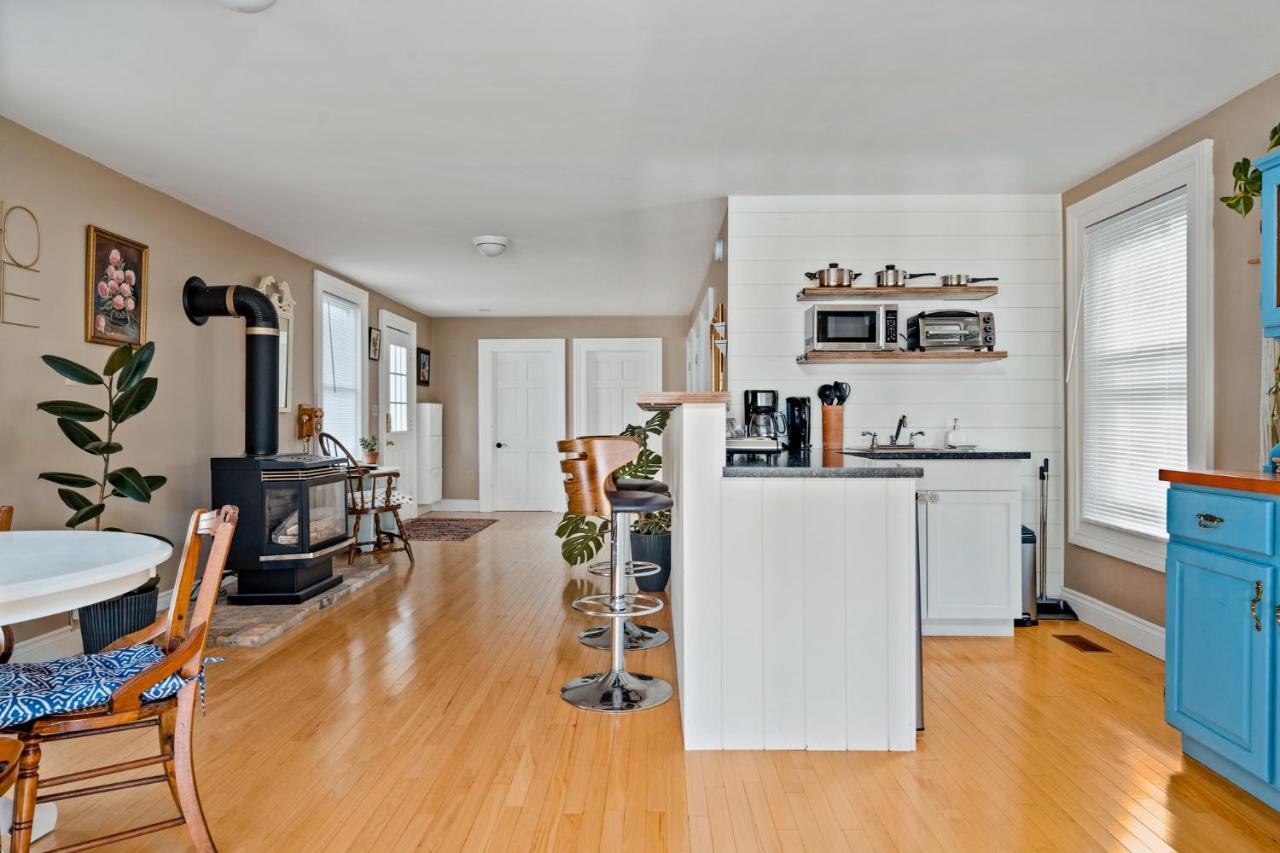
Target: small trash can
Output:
[(1028, 572)]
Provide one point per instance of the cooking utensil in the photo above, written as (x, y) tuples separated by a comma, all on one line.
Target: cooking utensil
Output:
[(842, 391), (827, 395), (891, 276), (833, 276), (962, 279)]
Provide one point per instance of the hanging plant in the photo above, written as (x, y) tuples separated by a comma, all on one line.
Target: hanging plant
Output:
[(129, 392), (1248, 180)]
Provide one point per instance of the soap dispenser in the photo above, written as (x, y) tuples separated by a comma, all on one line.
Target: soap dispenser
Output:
[(955, 438)]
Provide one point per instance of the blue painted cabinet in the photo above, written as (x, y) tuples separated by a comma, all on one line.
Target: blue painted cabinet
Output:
[(1269, 202), (1221, 627)]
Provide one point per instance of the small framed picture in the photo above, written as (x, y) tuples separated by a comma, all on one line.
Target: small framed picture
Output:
[(375, 343), (116, 290), (424, 366)]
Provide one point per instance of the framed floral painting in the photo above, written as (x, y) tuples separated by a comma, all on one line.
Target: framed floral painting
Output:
[(116, 297)]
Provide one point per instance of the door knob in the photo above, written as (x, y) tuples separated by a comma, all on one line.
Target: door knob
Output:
[(499, 444), (390, 443)]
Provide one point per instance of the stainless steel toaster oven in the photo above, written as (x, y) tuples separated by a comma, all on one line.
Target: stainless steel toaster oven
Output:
[(951, 330)]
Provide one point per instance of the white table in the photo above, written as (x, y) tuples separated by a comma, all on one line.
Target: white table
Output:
[(46, 572)]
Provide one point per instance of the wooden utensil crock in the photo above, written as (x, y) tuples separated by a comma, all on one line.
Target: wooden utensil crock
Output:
[(833, 427)]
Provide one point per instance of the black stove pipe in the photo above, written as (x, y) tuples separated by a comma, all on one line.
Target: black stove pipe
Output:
[(261, 354)]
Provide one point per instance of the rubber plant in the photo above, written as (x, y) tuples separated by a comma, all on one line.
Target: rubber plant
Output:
[(581, 538), (128, 393), (1248, 186)]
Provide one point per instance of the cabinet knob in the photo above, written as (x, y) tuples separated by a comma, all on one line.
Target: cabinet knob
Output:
[(1206, 520), (1253, 605)]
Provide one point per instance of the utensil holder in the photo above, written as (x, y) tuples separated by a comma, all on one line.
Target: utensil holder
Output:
[(832, 427)]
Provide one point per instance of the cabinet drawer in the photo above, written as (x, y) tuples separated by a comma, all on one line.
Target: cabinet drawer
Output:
[(1223, 520)]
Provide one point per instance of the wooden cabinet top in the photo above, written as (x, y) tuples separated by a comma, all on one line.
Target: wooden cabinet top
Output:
[(1240, 481), (659, 401)]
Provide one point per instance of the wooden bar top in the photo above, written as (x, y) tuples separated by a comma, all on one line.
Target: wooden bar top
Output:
[(662, 401), (1241, 481)]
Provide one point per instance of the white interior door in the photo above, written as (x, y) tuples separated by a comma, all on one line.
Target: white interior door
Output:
[(522, 416), (398, 412), (608, 373)]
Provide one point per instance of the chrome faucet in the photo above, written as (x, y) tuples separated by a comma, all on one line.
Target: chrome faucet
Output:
[(897, 433)]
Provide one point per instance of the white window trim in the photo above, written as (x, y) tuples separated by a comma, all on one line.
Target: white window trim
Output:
[(582, 347), (325, 283), (1191, 168), (486, 348)]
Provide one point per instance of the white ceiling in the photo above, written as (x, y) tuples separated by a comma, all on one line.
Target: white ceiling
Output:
[(377, 137)]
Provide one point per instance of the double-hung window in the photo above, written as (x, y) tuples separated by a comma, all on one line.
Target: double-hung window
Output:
[(341, 309), (1140, 271)]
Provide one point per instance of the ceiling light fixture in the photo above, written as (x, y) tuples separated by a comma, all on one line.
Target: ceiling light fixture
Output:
[(248, 7), (490, 245)]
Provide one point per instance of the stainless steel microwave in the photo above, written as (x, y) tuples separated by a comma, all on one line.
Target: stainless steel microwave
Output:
[(850, 328)]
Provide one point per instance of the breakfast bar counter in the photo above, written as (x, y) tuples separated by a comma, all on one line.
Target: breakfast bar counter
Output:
[(793, 591)]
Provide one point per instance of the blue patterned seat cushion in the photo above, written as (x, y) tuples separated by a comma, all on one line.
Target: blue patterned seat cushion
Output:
[(29, 691)]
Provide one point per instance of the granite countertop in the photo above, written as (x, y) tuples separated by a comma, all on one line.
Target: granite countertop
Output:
[(937, 453), (814, 464)]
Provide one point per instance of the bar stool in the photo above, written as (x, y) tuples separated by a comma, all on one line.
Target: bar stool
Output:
[(589, 470), (639, 637)]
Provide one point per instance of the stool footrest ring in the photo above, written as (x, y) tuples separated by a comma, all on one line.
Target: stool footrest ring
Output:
[(632, 604), (634, 569)]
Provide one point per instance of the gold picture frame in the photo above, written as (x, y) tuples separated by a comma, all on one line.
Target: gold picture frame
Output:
[(116, 289)]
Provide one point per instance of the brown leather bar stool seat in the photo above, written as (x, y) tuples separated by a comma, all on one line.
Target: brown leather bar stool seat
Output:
[(635, 484)]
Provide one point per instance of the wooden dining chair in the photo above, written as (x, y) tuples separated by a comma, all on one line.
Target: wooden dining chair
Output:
[(149, 678), (370, 493), (6, 633)]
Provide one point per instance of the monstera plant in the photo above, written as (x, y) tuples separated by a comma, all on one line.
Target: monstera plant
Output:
[(128, 393), (582, 537)]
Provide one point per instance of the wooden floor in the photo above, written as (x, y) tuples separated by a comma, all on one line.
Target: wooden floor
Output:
[(425, 715)]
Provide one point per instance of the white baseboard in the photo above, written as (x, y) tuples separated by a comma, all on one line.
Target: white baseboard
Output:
[(455, 505), (1121, 624), (59, 643)]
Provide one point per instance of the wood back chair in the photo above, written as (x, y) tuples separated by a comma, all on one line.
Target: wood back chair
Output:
[(371, 501), (589, 467), (181, 634), (6, 633)]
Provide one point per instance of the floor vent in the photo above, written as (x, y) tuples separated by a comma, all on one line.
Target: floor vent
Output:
[(1083, 644)]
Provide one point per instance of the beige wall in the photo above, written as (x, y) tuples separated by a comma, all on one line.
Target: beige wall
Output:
[(455, 373), (1238, 128), (716, 279), (198, 412)]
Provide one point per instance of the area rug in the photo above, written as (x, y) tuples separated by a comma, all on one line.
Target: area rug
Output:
[(445, 529)]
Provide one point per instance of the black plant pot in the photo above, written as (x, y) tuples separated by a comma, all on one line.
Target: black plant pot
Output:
[(653, 548), (103, 623)]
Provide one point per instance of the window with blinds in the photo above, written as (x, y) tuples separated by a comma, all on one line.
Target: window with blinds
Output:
[(340, 369), (1134, 369)]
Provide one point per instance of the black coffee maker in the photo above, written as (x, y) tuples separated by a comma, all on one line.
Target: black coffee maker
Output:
[(797, 424)]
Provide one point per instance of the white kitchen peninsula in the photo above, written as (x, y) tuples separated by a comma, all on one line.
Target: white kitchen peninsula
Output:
[(793, 592)]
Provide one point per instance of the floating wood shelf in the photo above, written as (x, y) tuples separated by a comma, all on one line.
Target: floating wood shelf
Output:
[(891, 355), (966, 293)]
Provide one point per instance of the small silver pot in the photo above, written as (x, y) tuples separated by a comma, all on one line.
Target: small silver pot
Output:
[(891, 276), (833, 276), (961, 280)]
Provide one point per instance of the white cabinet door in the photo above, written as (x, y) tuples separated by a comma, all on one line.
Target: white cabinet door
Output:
[(970, 551)]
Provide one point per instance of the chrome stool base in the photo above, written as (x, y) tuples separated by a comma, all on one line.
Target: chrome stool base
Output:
[(639, 637), (616, 692), (633, 569)]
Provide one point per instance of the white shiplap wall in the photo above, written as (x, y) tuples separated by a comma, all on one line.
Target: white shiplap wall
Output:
[(1014, 404)]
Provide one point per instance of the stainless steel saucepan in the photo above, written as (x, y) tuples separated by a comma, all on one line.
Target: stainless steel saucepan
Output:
[(961, 280), (891, 276), (833, 276)]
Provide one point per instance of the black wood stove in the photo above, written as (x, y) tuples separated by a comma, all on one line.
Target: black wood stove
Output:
[(293, 506)]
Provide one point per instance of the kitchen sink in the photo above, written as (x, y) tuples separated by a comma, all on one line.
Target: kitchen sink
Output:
[(896, 449)]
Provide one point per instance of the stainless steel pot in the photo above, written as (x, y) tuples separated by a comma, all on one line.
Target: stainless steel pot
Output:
[(891, 276), (961, 280), (833, 276)]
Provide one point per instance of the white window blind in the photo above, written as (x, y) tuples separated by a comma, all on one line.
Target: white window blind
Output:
[(340, 369), (1134, 363)]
